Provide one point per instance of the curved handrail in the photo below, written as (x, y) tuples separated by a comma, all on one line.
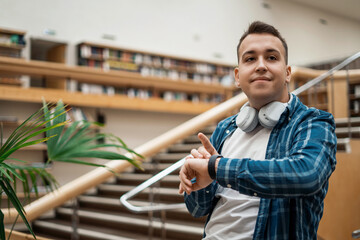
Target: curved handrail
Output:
[(124, 198)]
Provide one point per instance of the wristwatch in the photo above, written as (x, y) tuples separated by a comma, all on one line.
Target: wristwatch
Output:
[(211, 165)]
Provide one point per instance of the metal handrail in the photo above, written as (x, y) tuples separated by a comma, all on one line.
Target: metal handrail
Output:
[(148, 183), (323, 76), (159, 207)]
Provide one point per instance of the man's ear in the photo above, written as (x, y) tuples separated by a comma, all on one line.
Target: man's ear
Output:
[(288, 74), (237, 81)]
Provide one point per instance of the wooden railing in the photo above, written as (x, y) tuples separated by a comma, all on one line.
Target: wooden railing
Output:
[(97, 176)]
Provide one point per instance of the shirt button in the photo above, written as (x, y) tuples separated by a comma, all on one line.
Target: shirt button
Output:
[(229, 185), (255, 194), (207, 191), (227, 131)]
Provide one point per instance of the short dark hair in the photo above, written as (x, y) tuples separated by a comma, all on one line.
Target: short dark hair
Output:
[(258, 27)]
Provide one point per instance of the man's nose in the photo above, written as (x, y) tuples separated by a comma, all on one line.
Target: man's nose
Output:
[(261, 65)]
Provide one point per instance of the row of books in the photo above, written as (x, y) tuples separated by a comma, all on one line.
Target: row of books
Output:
[(78, 114), (9, 52), (12, 81), (74, 86), (155, 72), (356, 103), (12, 39), (103, 54), (22, 81)]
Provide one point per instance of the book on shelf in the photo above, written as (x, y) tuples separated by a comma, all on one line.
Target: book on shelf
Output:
[(120, 65), (72, 85), (8, 80), (75, 114), (357, 90), (85, 51), (227, 81), (138, 93), (7, 52), (12, 39)]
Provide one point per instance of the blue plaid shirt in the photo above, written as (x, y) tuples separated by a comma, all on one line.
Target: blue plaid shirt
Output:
[(292, 181)]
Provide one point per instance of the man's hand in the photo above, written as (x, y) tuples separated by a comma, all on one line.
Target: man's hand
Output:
[(197, 166), (206, 150)]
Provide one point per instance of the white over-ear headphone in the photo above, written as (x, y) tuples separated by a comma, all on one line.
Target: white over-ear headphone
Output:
[(248, 117)]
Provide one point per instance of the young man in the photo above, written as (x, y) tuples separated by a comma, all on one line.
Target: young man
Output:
[(277, 155)]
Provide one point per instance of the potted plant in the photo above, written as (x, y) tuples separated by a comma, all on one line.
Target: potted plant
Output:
[(66, 142)]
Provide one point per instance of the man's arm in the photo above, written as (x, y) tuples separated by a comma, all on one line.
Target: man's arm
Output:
[(303, 172)]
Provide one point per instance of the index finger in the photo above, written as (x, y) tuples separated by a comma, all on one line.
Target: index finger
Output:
[(207, 144)]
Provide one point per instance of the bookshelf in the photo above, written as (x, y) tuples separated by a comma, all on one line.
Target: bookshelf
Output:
[(12, 42), (152, 65), (316, 96), (114, 79)]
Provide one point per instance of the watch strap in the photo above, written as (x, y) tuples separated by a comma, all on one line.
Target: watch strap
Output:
[(211, 165)]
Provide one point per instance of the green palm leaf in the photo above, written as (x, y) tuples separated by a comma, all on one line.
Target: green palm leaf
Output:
[(79, 141), (72, 144), (9, 191)]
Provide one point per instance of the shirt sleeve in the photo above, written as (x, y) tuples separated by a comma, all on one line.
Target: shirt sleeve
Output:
[(302, 171), (200, 203)]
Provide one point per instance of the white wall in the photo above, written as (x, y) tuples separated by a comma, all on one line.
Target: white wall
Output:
[(200, 29)]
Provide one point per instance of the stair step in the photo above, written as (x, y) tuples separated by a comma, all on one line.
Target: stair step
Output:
[(168, 157), (344, 132), (166, 194), (136, 223), (86, 232), (343, 122), (209, 129), (183, 148), (136, 179), (150, 168), (113, 204), (195, 139)]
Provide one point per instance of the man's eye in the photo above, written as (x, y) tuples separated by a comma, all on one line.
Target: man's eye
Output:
[(249, 59), (272, 57)]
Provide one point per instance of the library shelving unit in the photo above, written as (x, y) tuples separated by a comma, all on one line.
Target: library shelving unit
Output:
[(12, 43), (114, 79), (316, 96), (153, 65)]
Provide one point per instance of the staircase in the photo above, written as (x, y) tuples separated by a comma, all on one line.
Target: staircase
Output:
[(345, 130), (101, 216)]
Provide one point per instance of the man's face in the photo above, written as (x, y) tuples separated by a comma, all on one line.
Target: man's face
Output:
[(262, 72)]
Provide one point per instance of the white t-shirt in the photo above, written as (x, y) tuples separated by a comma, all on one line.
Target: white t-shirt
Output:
[(234, 216)]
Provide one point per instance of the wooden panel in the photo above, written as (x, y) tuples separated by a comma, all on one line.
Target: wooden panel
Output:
[(56, 54), (338, 106), (342, 204)]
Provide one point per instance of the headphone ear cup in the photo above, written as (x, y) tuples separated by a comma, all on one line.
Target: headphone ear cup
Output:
[(247, 119), (270, 114)]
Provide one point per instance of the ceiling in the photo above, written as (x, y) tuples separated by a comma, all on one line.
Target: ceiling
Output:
[(344, 8)]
